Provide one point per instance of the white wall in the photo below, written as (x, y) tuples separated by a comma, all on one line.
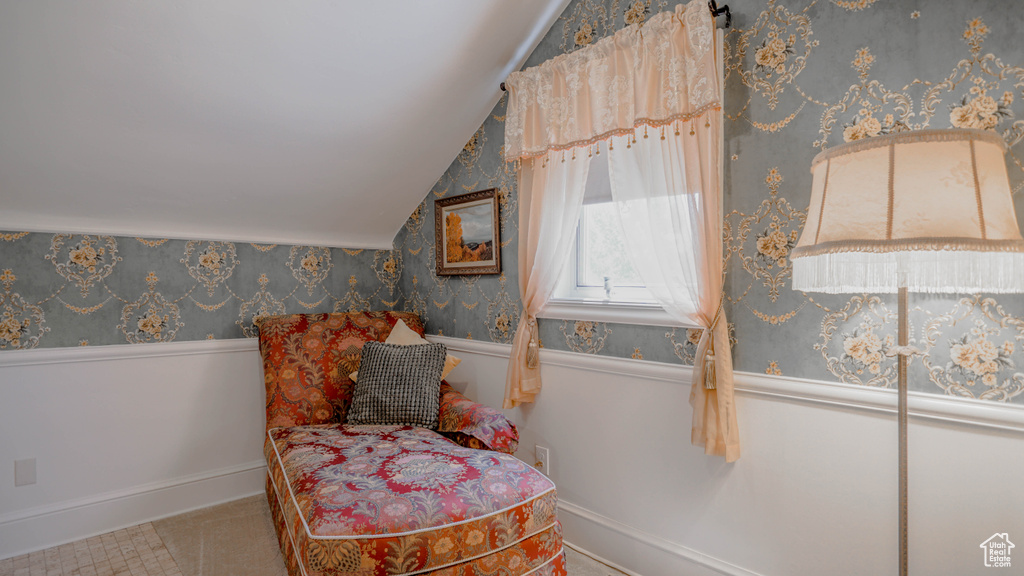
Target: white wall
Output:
[(813, 493), (125, 434)]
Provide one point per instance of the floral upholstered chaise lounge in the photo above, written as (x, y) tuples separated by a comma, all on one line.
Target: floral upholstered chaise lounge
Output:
[(392, 500)]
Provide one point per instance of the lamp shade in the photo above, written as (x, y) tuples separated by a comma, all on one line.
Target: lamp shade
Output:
[(928, 210)]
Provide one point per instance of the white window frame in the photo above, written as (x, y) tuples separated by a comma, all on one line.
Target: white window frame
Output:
[(615, 312), (575, 302), (591, 304)]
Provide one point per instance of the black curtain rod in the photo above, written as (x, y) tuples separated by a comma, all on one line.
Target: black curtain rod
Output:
[(715, 12)]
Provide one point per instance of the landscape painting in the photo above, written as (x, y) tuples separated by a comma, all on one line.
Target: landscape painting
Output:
[(467, 234)]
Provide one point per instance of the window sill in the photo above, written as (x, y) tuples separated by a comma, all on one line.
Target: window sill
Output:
[(606, 311)]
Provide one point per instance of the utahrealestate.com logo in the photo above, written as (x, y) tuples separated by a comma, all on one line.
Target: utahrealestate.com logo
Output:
[(997, 550)]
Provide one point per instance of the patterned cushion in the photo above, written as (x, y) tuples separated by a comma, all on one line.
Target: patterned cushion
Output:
[(398, 385), (394, 500), (307, 359), (475, 425)]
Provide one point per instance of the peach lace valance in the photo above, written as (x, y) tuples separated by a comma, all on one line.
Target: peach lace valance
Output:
[(655, 74)]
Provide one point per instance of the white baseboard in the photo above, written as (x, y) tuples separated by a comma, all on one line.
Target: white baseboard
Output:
[(42, 527), (588, 525), (604, 561)]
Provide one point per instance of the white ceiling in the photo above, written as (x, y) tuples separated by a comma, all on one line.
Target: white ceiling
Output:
[(319, 122)]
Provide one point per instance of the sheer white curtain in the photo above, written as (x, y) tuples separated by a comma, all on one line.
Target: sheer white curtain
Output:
[(658, 79), (550, 198), (665, 185)]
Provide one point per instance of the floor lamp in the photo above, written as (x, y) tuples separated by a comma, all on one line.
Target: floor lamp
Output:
[(922, 211)]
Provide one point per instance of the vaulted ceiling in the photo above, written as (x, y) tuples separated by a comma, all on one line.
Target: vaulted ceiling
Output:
[(319, 122)]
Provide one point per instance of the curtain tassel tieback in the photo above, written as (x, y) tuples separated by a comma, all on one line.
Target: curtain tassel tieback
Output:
[(710, 373), (533, 348)]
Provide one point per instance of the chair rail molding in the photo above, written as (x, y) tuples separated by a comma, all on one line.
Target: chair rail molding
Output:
[(43, 356), (923, 406)]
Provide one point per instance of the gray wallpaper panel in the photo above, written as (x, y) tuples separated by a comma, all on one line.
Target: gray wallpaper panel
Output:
[(76, 290)]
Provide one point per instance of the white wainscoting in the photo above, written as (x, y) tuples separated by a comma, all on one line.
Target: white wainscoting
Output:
[(125, 434), (813, 493)]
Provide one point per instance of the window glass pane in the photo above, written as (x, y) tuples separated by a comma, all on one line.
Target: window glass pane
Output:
[(603, 249)]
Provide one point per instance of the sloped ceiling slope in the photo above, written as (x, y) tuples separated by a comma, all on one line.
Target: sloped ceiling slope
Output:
[(313, 122)]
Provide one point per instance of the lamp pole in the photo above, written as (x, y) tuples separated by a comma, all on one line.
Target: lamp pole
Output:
[(904, 340)]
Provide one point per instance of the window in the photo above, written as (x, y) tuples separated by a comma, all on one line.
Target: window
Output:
[(599, 268), (599, 282)]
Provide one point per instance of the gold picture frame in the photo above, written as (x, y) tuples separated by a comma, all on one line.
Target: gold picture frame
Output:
[(467, 234)]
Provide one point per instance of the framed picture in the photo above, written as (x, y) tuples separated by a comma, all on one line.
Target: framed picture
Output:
[(467, 234)]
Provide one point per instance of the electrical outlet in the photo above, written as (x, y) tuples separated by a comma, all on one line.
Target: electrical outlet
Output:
[(543, 459), (24, 472)]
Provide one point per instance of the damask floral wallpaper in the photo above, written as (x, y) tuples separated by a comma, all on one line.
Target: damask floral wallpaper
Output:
[(800, 76), (75, 290)]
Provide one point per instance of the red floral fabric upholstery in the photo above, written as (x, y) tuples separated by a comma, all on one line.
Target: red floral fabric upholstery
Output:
[(475, 425), (530, 553), (373, 500), (307, 359), (391, 500)]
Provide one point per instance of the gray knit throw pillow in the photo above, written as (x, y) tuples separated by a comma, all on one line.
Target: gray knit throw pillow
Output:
[(398, 385)]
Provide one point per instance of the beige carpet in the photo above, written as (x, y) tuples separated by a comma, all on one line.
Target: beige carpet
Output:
[(233, 539), (577, 564), (135, 551)]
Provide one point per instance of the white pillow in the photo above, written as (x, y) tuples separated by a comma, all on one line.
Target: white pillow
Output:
[(402, 335)]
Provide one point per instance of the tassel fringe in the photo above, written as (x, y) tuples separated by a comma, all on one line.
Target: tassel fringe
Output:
[(533, 348), (709, 371), (945, 271)]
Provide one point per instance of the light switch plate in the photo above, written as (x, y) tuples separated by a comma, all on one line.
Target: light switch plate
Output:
[(24, 472)]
